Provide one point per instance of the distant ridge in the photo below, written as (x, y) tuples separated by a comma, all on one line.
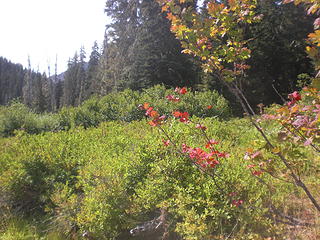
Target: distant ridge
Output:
[(60, 76)]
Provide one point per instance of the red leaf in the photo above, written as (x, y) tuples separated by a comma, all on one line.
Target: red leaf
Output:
[(200, 126), (316, 23), (257, 173), (154, 114), (251, 166), (183, 90), (211, 142), (146, 106), (172, 98), (256, 154), (237, 203), (166, 143), (176, 114)]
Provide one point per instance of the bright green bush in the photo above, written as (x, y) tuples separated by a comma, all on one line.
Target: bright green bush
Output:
[(27, 229), (106, 180), (121, 106), (195, 103), (17, 116)]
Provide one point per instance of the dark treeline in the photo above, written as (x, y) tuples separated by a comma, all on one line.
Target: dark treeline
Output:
[(139, 51), (34, 89)]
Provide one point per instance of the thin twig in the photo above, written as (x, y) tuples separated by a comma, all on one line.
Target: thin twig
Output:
[(277, 92), (234, 227)]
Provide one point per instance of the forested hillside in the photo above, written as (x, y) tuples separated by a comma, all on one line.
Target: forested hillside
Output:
[(139, 51)]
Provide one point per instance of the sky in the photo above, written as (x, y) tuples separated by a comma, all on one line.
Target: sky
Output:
[(43, 29)]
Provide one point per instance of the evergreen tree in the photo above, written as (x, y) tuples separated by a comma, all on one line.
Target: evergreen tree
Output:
[(27, 89), (11, 81), (93, 70), (81, 78), (156, 55), (70, 85), (25, 84), (58, 93), (39, 100), (278, 51), (141, 50)]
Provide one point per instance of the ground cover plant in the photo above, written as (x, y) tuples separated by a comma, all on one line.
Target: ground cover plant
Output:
[(102, 182)]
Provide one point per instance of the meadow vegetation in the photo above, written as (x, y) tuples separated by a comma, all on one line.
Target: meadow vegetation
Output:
[(102, 179), (122, 106)]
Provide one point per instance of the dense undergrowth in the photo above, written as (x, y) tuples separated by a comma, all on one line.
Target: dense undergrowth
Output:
[(121, 106), (101, 182), (99, 170)]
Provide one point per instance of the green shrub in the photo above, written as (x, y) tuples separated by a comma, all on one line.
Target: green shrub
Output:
[(121, 106), (195, 103), (17, 116), (106, 180)]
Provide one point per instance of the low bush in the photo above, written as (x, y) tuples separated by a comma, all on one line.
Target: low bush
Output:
[(104, 181), (17, 116), (121, 106)]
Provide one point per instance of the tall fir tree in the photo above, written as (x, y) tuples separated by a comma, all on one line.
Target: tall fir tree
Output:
[(155, 55), (278, 51), (94, 83), (11, 81), (27, 90), (70, 86), (81, 77), (141, 50), (40, 101)]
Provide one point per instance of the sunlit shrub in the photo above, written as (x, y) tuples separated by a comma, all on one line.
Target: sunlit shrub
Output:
[(17, 116), (104, 181)]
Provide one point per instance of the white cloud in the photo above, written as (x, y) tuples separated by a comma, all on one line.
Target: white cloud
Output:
[(44, 28)]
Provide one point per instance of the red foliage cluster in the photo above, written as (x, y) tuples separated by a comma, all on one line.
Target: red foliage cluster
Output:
[(173, 98), (181, 90), (237, 203), (151, 113), (294, 97), (300, 119), (256, 170), (201, 157), (200, 126), (183, 116), (178, 90), (211, 142), (166, 142)]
